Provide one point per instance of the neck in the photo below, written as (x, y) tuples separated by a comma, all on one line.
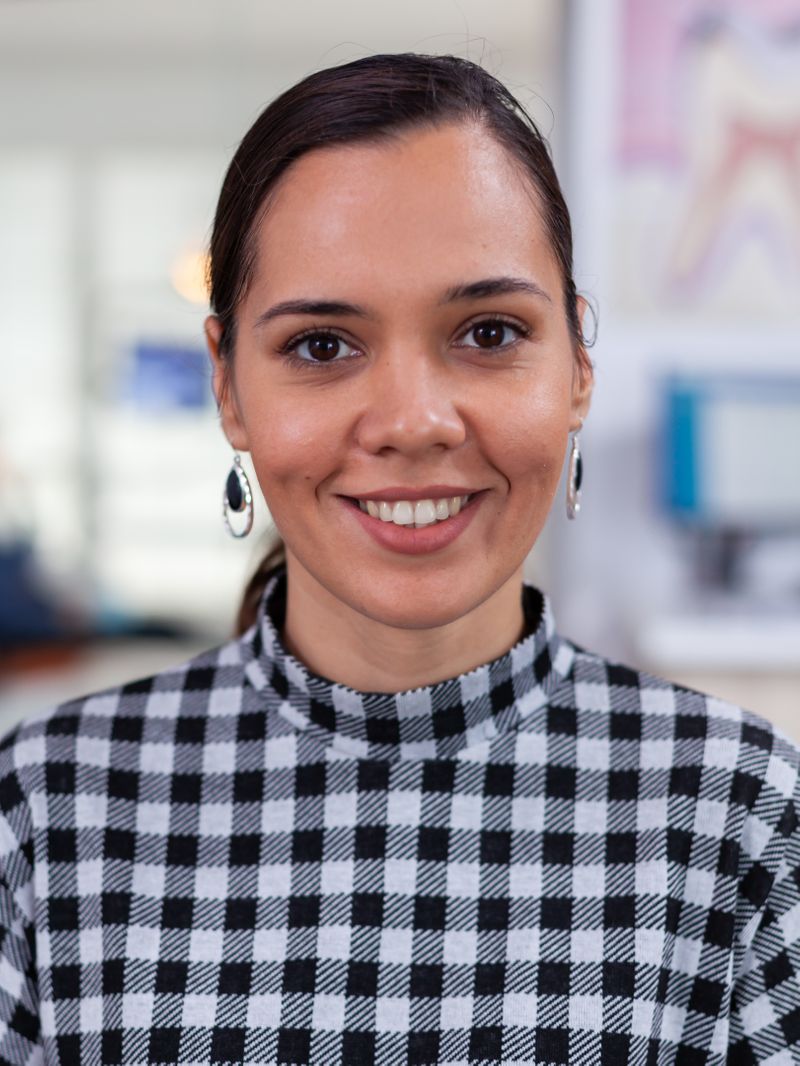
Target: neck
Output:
[(336, 641)]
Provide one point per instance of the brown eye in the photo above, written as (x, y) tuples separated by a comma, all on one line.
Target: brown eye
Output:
[(323, 346), (493, 333), (489, 334), (320, 348)]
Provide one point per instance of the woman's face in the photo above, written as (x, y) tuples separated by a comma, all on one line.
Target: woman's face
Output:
[(403, 345)]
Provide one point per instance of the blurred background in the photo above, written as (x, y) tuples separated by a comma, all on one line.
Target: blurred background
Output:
[(675, 125)]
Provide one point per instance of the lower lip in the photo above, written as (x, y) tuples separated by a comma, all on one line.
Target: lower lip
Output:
[(407, 540)]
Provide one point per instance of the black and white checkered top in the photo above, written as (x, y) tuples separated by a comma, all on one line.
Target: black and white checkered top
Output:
[(550, 859)]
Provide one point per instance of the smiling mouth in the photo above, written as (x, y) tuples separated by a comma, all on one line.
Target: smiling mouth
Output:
[(415, 514)]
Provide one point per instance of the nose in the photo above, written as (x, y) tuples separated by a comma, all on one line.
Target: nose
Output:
[(411, 406)]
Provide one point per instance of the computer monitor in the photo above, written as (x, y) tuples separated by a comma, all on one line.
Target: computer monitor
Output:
[(731, 451)]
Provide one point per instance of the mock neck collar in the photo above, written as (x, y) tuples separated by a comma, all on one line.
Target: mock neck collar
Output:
[(435, 721)]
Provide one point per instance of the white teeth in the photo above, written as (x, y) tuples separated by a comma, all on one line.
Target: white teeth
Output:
[(417, 513), (403, 513), (424, 513)]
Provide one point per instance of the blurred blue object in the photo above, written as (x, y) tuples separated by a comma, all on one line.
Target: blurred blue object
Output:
[(26, 615), (166, 376), (731, 452), (29, 617)]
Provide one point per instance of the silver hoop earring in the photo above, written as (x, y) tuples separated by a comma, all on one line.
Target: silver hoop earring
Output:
[(574, 478), (238, 498)]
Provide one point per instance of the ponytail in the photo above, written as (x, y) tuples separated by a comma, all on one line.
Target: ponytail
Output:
[(248, 608)]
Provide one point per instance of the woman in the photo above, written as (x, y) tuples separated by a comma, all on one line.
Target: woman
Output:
[(399, 819)]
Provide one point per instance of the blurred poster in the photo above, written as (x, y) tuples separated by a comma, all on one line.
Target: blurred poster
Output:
[(708, 157), (165, 375)]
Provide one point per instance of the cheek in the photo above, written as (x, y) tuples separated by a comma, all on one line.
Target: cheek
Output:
[(292, 441), (529, 432)]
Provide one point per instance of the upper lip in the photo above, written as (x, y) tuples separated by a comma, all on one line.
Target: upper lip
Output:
[(429, 492)]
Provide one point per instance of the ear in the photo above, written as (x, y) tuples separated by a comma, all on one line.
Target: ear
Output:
[(223, 387), (582, 375)]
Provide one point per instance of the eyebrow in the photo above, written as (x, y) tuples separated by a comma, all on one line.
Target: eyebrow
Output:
[(476, 290), (473, 290), (311, 307)]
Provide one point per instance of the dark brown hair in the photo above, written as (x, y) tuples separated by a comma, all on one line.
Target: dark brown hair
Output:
[(369, 99)]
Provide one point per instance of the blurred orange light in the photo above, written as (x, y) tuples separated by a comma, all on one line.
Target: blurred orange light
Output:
[(188, 275)]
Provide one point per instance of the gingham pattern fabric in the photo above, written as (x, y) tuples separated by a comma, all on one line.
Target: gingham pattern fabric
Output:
[(551, 859)]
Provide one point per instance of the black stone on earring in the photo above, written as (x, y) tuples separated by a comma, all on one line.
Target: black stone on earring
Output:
[(233, 491), (237, 499), (574, 478)]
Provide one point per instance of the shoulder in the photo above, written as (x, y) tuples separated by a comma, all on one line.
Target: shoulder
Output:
[(71, 749), (731, 736), (716, 763), (164, 694)]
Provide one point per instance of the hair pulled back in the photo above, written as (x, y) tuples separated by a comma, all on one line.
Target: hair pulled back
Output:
[(370, 99)]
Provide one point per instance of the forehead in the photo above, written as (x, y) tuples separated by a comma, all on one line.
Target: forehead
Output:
[(430, 204)]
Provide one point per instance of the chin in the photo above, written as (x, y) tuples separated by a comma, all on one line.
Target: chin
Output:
[(417, 600)]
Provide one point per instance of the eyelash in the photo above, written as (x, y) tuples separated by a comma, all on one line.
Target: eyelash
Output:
[(289, 349)]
